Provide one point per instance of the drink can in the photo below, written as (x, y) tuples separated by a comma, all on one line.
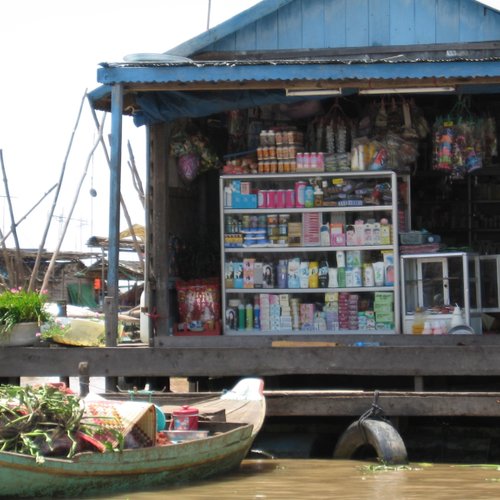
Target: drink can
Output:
[(271, 198), (290, 198), (262, 198), (280, 198)]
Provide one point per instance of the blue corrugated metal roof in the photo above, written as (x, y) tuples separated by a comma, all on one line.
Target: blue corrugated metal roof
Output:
[(319, 61), (293, 70)]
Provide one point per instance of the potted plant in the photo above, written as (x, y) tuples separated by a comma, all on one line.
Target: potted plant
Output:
[(21, 315)]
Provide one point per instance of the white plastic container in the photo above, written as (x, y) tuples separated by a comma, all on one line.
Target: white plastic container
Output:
[(144, 321)]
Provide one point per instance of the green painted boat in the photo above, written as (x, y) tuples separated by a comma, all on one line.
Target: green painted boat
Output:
[(91, 473)]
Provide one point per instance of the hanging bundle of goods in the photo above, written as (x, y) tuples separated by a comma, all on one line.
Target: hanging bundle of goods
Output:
[(193, 151), (388, 136), (462, 141), (332, 133)]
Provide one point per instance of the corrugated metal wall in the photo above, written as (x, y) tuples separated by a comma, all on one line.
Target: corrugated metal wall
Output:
[(310, 24)]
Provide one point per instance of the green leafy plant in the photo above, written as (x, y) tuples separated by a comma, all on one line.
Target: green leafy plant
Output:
[(20, 306), (45, 420)]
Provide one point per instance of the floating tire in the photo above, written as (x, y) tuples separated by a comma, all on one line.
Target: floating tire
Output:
[(380, 435)]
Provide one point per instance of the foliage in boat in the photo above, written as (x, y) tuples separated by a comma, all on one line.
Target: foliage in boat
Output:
[(45, 421)]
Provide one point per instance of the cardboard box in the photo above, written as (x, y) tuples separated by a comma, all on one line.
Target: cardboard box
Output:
[(244, 200)]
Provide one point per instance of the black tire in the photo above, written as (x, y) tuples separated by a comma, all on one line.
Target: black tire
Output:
[(382, 436)]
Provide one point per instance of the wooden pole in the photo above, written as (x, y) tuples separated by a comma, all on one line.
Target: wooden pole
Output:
[(136, 179), (122, 201), (36, 266), (111, 319), (18, 279), (5, 236), (68, 219)]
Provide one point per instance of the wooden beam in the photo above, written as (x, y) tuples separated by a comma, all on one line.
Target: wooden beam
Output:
[(472, 360), (330, 403)]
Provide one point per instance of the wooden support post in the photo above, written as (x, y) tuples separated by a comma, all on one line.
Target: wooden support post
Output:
[(419, 383), (83, 371), (114, 214)]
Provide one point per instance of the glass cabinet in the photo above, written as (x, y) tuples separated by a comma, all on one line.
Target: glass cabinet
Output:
[(436, 283)]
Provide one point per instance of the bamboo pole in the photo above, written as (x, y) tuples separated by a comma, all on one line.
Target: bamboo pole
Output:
[(36, 266), (136, 179), (18, 278), (66, 224), (6, 235), (122, 201)]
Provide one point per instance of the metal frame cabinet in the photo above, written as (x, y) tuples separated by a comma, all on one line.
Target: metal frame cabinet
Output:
[(233, 254), (436, 282)]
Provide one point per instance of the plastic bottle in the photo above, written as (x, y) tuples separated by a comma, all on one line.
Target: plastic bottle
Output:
[(249, 316), (309, 196), (418, 324), (457, 318), (241, 317), (323, 273), (256, 315)]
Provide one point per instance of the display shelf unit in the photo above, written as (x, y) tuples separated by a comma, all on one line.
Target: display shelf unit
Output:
[(436, 282), (338, 306)]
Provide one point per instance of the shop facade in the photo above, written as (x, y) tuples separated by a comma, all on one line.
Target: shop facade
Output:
[(321, 71)]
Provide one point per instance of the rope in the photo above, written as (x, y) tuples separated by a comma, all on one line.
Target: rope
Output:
[(375, 412)]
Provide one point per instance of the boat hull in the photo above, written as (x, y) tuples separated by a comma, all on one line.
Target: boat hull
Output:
[(129, 470)]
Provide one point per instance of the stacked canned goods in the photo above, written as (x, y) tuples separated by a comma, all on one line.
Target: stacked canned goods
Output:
[(277, 151)]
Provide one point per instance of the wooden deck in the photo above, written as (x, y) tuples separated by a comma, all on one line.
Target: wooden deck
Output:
[(418, 360), (414, 356)]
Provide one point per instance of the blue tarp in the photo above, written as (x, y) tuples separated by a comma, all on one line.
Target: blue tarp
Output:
[(157, 107)]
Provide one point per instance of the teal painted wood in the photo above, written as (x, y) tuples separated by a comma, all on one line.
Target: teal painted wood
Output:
[(313, 27), (357, 24), (447, 21), (425, 22), (130, 470), (402, 31), (379, 23), (335, 14), (267, 32), (307, 24), (289, 28)]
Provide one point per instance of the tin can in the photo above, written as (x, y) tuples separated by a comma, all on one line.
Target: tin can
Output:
[(290, 198), (245, 222), (262, 198), (280, 198), (283, 220), (271, 198)]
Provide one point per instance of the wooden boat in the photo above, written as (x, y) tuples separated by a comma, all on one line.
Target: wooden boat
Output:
[(90, 473)]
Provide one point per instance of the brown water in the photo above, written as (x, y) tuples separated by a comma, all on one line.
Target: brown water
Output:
[(337, 479)]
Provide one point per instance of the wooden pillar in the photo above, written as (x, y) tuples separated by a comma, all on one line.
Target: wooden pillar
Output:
[(158, 206), (114, 215), (111, 311)]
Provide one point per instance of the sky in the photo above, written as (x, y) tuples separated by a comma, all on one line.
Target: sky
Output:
[(50, 54)]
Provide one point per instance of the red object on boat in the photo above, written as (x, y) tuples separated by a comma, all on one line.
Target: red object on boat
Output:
[(185, 419)]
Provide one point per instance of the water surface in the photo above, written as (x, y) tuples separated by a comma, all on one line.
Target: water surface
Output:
[(337, 479)]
